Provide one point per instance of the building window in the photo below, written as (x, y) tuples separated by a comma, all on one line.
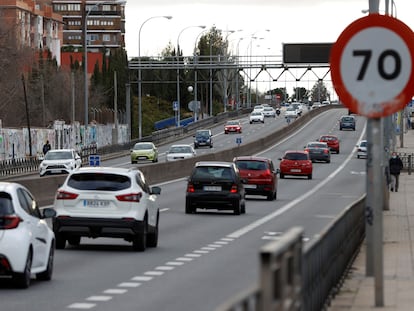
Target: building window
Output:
[(106, 37)]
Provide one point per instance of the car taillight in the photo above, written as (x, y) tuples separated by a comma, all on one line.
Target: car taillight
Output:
[(233, 189), (4, 263), (64, 195), (190, 188), (130, 197), (9, 222), (307, 150), (326, 151), (267, 174)]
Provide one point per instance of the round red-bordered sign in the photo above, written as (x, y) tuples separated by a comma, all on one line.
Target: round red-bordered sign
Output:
[(372, 66)]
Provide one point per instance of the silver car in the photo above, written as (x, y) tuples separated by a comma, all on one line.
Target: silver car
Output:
[(60, 161)]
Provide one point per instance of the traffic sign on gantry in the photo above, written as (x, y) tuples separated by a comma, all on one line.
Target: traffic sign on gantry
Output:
[(372, 65)]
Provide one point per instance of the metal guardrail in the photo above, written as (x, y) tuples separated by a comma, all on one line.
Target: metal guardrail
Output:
[(292, 279)]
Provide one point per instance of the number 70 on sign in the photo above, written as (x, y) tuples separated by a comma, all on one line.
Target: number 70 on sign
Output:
[(372, 65)]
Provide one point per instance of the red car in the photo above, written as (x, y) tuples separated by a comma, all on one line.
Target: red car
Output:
[(296, 163), (232, 126), (332, 141), (260, 174)]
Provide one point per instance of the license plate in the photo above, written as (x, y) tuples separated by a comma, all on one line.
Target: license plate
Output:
[(250, 186), (212, 188), (295, 170), (142, 158), (95, 203)]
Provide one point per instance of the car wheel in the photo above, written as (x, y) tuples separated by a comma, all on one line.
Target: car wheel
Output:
[(47, 274), (251, 122), (152, 237), (337, 151), (243, 207), (340, 128), (310, 176), (358, 156), (328, 161), (188, 208), (22, 280), (263, 121), (211, 146), (74, 240), (282, 175), (237, 207), (271, 196), (139, 242), (60, 241)]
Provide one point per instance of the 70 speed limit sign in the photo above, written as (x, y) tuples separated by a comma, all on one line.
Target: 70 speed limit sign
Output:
[(372, 66)]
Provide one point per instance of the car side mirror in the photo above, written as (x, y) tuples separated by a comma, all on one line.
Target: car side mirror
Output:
[(156, 190), (48, 212)]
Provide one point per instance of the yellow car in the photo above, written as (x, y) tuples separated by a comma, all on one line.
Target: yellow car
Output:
[(144, 151)]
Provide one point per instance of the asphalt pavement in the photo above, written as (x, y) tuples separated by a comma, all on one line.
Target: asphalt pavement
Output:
[(358, 291)]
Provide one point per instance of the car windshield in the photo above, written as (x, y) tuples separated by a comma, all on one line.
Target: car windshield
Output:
[(142, 146), (363, 144), (290, 109), (256, 113), (347, 119), (296, 156), (6, 206), (61, 155), (202, 134), (180, 149), (232, 123), (99, 181), (251, 165), (212, 172)]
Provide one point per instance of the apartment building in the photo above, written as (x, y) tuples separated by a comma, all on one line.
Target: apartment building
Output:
[(33, 24), (105, 24)]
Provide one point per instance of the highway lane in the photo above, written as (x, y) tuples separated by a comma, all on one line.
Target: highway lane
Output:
[(205, 258)]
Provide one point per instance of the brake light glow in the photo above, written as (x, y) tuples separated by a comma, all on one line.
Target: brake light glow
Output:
[(190, 188), (10, 222), (5, 264), (233, 189), (130, 197), (64, 195)]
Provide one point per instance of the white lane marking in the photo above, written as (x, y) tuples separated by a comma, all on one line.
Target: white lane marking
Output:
[(215, 245), (164, 209), (221, 242), (227, 239), (184, 259), (192, 255), (242, 231), (99, 298), (154, 273), (82, 305), (129, 284), (208, 248), (142, 278), (201, 252), (165, 268), (115, 291), (175, 263)]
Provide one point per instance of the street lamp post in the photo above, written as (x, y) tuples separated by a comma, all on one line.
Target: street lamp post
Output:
[(140, 75), (237, 75), (86, 14), (195, 76), (178, 71)]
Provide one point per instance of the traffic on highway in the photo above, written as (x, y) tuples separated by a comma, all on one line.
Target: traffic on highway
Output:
[(206, 256)]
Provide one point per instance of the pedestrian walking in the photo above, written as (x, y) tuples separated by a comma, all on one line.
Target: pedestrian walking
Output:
[(396, 165), (46, 147)]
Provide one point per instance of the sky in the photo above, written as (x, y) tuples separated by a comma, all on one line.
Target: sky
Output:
[(274, 21)]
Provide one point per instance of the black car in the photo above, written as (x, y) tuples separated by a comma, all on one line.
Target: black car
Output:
[(318, 151), (203, 138), (347, 122), (215, 185)]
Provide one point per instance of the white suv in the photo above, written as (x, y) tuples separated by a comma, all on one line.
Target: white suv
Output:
[(27, 244), (60, 161), (106, 202)]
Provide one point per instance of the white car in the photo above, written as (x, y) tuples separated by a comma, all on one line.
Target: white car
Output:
[(269, 112), (60, 161), (362, 149), (291, 113), (109, 202), (256, 116), (27, 244), (179, 152), (258, 108)]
